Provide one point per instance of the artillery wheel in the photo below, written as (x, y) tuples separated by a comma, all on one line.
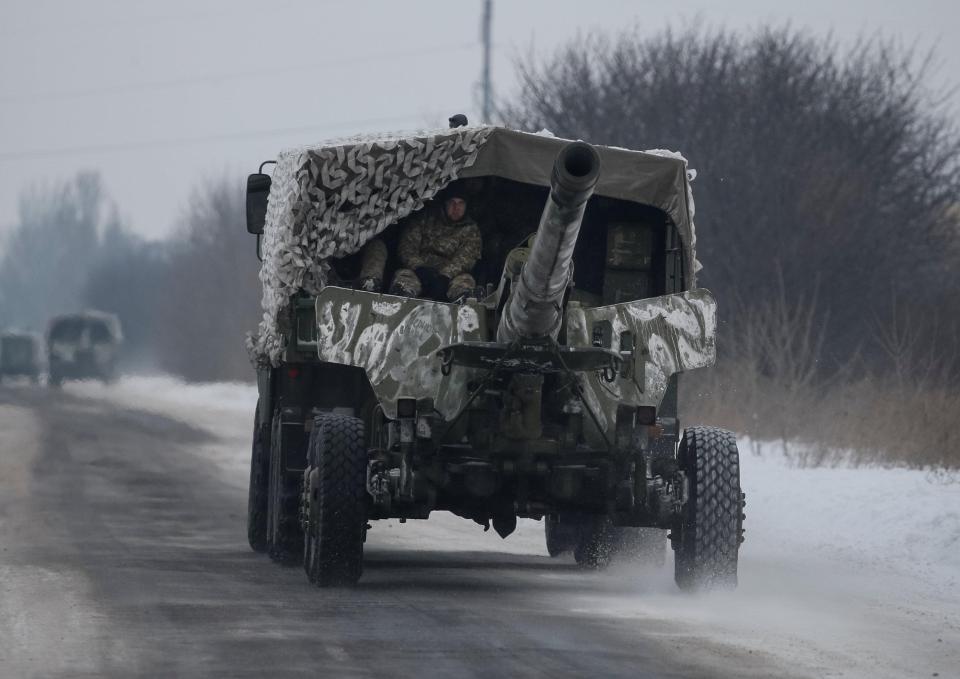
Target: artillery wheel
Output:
[(258, 493), (335, 501), (643, 546), (708, 534), (561, 532), (284, 542), (596, 542)]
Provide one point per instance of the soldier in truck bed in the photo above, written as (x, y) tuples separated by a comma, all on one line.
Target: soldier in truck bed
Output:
[(438, 249)]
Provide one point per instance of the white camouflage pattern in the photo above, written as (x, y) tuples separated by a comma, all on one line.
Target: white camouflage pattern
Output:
[(328, 200), (396, 339)]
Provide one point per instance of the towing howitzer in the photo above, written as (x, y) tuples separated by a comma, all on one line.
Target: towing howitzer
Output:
[(539, 395)]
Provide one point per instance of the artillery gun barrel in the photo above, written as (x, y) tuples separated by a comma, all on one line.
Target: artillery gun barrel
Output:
[(535, 306)]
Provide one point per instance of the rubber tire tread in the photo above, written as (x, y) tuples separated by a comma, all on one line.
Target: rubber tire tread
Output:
[(307, 515), (600, 543), (339, 455), (596, 543), (711, 524), (561, 536), (257, 495), (284, 538), (645, 546)]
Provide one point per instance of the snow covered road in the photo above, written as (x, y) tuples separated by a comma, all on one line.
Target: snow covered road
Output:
[(845, 572)]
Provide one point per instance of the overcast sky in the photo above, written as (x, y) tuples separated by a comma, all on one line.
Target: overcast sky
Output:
[(159, 96)]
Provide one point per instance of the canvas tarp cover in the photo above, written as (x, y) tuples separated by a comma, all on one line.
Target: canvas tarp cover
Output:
[(328, 200), (88, 318)]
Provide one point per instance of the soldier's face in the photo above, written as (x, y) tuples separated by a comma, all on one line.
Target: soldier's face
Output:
[(456, 209)]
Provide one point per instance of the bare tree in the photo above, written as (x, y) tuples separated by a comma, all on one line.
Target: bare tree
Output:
[(211, 292), (128, 278), (916, 361), (49, 253), (829, 163), (783, 341)]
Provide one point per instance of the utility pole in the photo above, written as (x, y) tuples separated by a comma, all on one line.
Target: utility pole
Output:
[(487, 106)]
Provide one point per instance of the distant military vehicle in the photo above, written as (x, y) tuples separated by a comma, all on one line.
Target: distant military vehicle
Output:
[(550, 393), (20, 355), (83, 346)]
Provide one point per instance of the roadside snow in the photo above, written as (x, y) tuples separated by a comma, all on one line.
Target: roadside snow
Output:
[(845, 572), (223, 408)]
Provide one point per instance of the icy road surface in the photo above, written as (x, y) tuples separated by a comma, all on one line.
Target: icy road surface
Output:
[(123, 552)]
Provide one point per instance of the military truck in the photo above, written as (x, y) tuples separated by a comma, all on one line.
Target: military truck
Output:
[(551, 393), (83, 346), (20, 355)]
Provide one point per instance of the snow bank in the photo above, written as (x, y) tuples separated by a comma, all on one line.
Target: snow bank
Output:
[(845, 572), (222, 408), (204, 405), (885, 520)]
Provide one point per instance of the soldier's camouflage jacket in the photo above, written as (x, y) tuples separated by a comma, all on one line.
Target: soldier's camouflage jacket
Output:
[(430, 239)]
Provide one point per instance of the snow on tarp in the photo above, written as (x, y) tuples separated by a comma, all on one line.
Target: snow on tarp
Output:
[(328, 200)]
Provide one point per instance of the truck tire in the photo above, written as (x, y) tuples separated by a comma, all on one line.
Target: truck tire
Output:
[(335, 501), (643, 546), (257, 496), (561, 532), (707, 536), (310, 496), (284, 540), (596, 542)]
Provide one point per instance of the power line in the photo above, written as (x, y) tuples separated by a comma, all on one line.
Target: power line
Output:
[(250, 134), (236, 75)]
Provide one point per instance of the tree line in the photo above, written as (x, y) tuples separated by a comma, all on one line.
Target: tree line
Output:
[(185, 302), (828, 215)]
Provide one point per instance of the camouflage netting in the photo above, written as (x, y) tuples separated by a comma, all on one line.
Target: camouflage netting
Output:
[(328, 200)]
